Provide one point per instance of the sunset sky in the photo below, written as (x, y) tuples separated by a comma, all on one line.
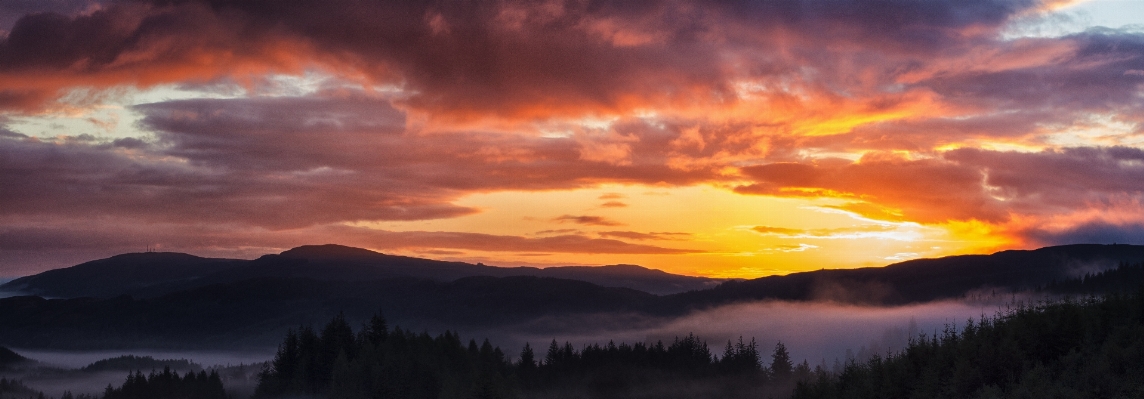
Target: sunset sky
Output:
[(717, 138)]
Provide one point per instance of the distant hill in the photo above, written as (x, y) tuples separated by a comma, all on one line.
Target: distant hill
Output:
[(120, 274), (254, 313), (923, 280), (157, 274), (238, 306)]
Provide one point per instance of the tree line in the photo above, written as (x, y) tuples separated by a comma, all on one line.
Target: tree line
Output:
[(1072, 348), (1092, 347), (168, 385), (379, 362)]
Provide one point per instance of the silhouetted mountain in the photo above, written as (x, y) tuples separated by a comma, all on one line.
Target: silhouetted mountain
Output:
[(924, 280), (252, 313), (120, 274), (157, 274), (238, 306), (631, 276)]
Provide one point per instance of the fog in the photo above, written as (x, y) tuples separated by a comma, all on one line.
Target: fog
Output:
[(5, 294), (816, 332), (821, 333), (74, 360), (57, 371), (1076, 269)]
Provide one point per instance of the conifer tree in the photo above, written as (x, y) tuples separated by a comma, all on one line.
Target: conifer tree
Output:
[(781, 365), (376, 330), (553, 355)]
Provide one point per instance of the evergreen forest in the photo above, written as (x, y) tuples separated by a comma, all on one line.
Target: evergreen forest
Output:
[(1077, 347)]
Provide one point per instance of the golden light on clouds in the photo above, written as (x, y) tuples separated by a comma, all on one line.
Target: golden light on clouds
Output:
[(738, 139)]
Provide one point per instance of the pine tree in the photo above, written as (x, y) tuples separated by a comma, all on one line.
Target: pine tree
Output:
[(527, 358), (377, 330), (553, 355), (781, 366)]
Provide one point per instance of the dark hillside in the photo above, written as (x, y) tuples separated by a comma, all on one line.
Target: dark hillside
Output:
[(256, 309), (925, 280), (631, 276), (119, 275), (1069, 349), (252, 312), (156, 274)]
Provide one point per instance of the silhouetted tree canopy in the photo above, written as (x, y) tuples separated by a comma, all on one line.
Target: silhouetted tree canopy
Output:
[(1089, 348)]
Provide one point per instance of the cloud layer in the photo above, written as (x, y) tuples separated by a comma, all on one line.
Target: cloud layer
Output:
[(928, 112)]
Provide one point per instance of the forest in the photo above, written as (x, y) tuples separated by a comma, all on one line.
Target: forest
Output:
[(379, 362), (1090, 346)]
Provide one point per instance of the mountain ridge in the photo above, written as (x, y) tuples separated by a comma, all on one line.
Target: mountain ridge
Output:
[(155, 274), (254, 311)]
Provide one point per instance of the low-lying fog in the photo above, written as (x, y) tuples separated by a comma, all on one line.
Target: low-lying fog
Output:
[(816, 332), (5, 294), (58, 371), (819, 333), (75, 360)]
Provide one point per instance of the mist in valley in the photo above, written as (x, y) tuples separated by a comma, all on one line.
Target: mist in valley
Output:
[(57, 372), (821, 333), (6, 294), (817, 332)]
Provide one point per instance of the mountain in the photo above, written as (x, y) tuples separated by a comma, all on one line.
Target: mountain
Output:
[(238, 305), (255, 312), (923, 280), (120, 274), (157, 274)]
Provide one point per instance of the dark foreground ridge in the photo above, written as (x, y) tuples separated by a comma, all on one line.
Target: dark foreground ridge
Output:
[(1083, 348), (1088, 348), (254, 302)]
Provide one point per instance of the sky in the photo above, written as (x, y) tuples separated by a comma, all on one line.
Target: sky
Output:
[(717, 138)]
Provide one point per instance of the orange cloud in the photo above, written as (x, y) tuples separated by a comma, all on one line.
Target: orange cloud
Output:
[(902, 111)]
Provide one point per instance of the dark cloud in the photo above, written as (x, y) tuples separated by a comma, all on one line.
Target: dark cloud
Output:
[(129, 143), (1093, 232), (635, 235), (366, 134), (77, 179), (587, 220), (492, 57), (1079, 73), (10, 134), (559, 231), (293, 162), (613, 204), (13, 10)]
